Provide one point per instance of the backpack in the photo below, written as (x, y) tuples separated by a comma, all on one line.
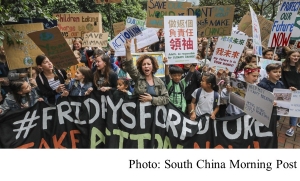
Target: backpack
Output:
[(171, 89), (216, 97)]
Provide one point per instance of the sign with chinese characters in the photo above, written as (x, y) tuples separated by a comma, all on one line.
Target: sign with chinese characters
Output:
[(213, 20), (180, 39), (228, 51), (287, 102), (76, 24), (257, 47), (22, 55), (95, 40), (157, 9), (55, 47), (127, 34), (284, 22), (133, 21)]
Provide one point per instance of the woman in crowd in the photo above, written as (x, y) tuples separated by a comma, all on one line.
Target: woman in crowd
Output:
[(50, 80), (77, 45), (291, 79), (147, 86), (104, 77)]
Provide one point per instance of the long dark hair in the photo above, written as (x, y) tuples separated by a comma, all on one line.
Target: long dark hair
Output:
[(211, 79), (39, 60), (286, 64), (15, 87), (107, 69)]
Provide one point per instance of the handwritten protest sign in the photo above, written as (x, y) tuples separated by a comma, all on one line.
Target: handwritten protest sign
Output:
[(257, 47), (118, 27), (228, 51), (122, 52), (157, 9), (148, 37), (238, 93), (76, 24), (296, 29), (22, 55), (107, 1), (259, 104), (264, 62), (181, 39), (95, 40), (284, 23), (133, 21), (265, 27), (213, 20), (55, 47), (126, 34), (297, 45), (245, 22), (159, 57), (288, 102)]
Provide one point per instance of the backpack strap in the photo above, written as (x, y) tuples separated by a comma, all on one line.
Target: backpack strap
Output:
[(198, 95), (216, 99), (41, 79)]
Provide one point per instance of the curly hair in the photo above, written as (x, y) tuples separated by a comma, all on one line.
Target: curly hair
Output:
[(140, 60)]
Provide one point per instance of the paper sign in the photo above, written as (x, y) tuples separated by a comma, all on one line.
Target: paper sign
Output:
[(264, 62), (126, 34), (23, 55), (228, 51), (107, 1), (55, 47), (213, 20), (159, 57), (296, 29), (133, 21), (257, 47), (148, 37), (284, 23), (180, 39), (95, 40), (245, 22), (288, 102), (122, 52), (259, 104), (76, 24), (297, 45), (118, 27), (157, 9)]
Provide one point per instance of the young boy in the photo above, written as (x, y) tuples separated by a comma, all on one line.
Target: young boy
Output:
[(176, 86), (274, 74)]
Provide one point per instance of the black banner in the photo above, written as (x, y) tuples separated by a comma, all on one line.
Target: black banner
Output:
[(100, 121)]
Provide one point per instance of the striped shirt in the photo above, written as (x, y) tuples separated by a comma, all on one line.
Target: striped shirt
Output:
[(54, 83)]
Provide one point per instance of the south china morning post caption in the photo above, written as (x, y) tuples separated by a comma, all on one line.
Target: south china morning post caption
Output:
[(211, 164)]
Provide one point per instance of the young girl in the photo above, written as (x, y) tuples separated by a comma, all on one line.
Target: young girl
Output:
[(122, 91), (206, 99), (22, 95), (291, 79), (81, 85), (251, 73)]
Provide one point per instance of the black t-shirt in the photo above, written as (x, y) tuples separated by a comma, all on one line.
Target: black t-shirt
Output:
[(192, 85)]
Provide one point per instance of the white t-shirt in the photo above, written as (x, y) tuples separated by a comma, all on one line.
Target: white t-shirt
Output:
[(205, 103)]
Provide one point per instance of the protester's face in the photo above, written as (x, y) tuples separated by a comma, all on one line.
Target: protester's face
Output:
[(176, 77), (294, 57), (26, 88), (33, 73), (100, 63), (204, 83), (147, 67), (252, 77), (269, 55), (77, 57), (215, 39), (253, 61), (120, 85), (76, 45), (79, 76), (274, 74), (199, 47), (46, 65), (276, 57)]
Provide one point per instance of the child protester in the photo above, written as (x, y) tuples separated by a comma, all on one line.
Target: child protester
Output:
[(123, 89), (206, 99), (274, 74), (251, 74), (22, 95), (176, 86), (81, 85)]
